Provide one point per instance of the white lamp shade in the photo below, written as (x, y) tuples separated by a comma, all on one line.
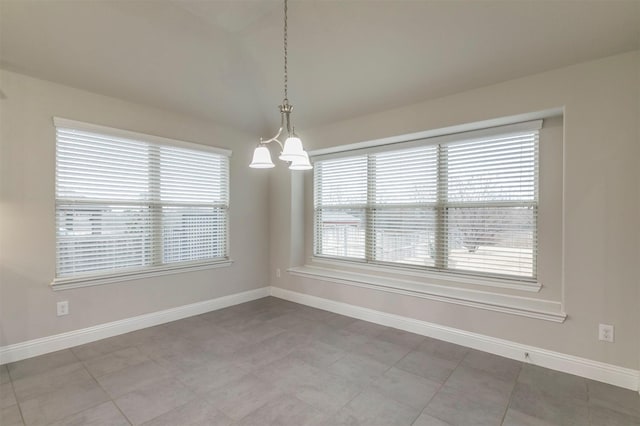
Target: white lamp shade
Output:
[(292, 149), (261, 158), (301, 162)]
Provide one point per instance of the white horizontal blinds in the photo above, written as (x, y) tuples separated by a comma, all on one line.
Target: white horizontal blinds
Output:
[(464, 205), (103, 219), (403, 185), (340, 207), (126, 204), (490, 210), (194, 198)]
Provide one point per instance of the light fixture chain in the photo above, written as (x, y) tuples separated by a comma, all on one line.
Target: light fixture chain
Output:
[(286, 73)]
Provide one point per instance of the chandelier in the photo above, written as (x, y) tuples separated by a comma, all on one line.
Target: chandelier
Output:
[(292, 150)]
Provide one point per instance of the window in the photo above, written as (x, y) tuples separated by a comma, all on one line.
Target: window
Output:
[(136, 202), (463, 204)]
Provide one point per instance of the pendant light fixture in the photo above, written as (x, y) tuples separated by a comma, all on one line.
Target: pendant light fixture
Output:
[(292, 150)]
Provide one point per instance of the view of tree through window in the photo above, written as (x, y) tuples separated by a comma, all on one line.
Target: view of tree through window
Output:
[(467, 206)]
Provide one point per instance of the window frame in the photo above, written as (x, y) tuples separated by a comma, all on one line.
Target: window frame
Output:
[(368, 263), (157, 268)]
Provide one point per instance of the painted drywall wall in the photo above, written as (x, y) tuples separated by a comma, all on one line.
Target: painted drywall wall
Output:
[(27, 205), (599, 279)]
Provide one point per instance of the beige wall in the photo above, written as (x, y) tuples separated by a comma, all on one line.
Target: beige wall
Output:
[(601, 206), (27, 232)]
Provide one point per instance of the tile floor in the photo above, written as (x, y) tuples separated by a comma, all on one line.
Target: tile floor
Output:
[(272, 362)]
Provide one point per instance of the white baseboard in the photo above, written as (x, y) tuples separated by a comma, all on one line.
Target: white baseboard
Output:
[(607, 373), (600, 371), (35, 347)]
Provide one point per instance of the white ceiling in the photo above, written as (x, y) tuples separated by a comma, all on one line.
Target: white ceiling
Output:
[(222, 60)]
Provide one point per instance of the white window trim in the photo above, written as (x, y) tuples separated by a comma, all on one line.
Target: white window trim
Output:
[(100, 278), (424, 275), (127, 134), (505, 303), (421, 283), (134, 274), (468, 132)]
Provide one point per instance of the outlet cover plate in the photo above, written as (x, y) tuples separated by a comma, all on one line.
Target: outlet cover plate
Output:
[(63, 308), (605, 333)]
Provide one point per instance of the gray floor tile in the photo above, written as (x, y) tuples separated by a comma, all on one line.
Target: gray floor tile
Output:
[(516, 418), (49, 381), (7, 396), (151, 401), (287, 371), (312, 385), (313, 313), (195, 413), (443, 349), (115, 361), (285, 410), (601, 416), (205, 332), (249, 320), (181, 362), (382, 351), (311, 364), (291, 321), (341, 339), (615, 398), (318, 354), (502, 368), (10, 416), (43, 363), (428, 366), (131, 378), (101, 347), (221, 315), (104, 414), (259, 332), (472, 380), (258, 354), (338, 321), (167, 345), (326, 391), (427, 420), (554, 383), (401, 337), (4, 374), (461, 408), (210, 376), (220, 342), (372, 409), (407, 388), (358, 369), (242, 396), (367, 328), (552, 409), (65, 401)]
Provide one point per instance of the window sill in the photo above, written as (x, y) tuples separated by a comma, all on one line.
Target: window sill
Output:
[(426, 275), (92, 280), (516, 305)]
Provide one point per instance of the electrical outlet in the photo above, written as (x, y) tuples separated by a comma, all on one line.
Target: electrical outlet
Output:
[(605, 333), (63, 308), (277, 272)]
